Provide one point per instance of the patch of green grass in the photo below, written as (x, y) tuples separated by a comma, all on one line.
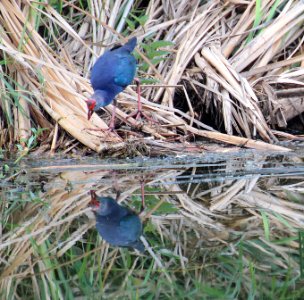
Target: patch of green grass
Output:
[(27, 145), (257, 19), (155, 51), (301, 251), (152, 201), (266, 225)]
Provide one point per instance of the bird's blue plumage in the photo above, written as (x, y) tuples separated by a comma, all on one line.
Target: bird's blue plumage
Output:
[(112, 72), (118, 225)]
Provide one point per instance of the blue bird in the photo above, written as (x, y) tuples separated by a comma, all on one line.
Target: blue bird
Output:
[(110, 75), (116, 224)]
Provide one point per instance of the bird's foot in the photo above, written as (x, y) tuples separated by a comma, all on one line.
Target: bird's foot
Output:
[(139, 114), (95, 129), (110, 129)]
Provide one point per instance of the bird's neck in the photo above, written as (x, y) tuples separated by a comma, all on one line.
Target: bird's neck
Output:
[(105, 97), (109, 208)]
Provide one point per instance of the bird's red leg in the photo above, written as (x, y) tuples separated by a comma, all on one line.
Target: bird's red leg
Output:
[(138, 90), (112, 122), (142, 189), (139, 113)]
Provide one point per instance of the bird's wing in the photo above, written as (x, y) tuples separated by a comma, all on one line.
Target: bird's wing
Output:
[(130, 225), (125, 69), (124, 232), (131, 229), (103, 72), (115, 67)]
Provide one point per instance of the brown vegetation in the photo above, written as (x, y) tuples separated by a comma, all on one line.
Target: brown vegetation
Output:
[(238, 64)]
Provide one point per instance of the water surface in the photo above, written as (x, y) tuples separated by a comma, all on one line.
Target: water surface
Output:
[(207, 219)]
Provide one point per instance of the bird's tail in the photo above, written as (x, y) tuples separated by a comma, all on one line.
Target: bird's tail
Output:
[(130, 45)]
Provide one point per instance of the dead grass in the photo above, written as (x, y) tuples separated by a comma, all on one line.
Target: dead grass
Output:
[(235, 71)]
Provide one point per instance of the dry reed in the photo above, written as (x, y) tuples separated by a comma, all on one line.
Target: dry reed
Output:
[(235, 76)]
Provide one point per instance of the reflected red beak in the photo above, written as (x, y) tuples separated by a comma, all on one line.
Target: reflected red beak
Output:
[(94, 203)]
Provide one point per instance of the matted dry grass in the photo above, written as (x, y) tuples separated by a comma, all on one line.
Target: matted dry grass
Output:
[(241, 64)]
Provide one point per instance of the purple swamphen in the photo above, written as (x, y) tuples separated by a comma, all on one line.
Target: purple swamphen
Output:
[(110, 75), (116, 224)]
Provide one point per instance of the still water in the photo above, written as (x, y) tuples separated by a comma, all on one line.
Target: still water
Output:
[(215, 226)]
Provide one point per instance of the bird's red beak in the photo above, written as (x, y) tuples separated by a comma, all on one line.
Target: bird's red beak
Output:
[(91, 103), (90, 113), (94, 203)]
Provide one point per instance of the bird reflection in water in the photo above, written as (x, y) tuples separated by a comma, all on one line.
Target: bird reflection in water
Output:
[(116, 224)]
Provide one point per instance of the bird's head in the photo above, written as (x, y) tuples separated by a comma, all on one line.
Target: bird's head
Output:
[(102, 205), (94, 203), (91, 103), (99, 99)]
